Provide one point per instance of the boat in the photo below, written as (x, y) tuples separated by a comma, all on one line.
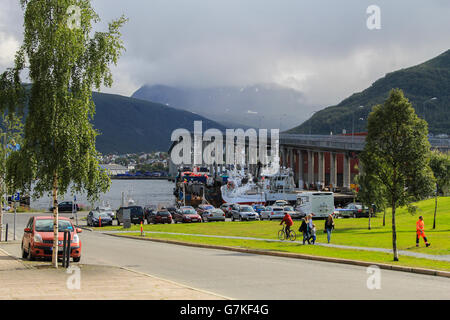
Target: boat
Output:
[(241, 189), (279, 185)]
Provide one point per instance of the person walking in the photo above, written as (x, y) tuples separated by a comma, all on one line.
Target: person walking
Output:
[(310, 227), (329, 227), (313, 234), (420, 229), (304, 230)]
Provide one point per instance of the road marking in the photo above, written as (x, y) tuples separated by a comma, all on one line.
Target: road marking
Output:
[(178, 284)]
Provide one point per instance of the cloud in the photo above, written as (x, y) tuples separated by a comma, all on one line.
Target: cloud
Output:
[(322, 48)]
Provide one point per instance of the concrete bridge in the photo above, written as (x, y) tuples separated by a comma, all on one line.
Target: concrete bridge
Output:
[(328, 160)]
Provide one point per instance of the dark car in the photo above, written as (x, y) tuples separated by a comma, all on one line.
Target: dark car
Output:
[(160, 217), (99, 219), (136, 215), (187, 216), (355, 210), (66, 206)]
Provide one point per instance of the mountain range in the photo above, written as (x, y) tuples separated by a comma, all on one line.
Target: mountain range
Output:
[(258, 106), (128, 125), (426, 85)]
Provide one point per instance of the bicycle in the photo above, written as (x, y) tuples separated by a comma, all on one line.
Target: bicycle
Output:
[(282, 235)]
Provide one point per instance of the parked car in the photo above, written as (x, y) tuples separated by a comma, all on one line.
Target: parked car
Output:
[(258, 208), (172, 210), (162, 216), (244, 212), (355, 210), (292, 212), (106, 210), (203, 208), (94, 218), (37, 241), (226, 207), (213, 215), (136, 215), (187, 216), (66, 206), (272, 212)]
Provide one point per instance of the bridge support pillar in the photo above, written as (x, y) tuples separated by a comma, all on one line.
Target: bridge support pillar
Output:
[(333, 170), (300, 176), (321, 158), (346, 171), (310, 168), (291, 159)]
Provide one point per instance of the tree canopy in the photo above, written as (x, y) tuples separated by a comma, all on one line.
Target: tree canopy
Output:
[(397, 154)]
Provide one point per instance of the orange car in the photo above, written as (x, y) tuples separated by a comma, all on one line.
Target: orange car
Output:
[(37, 241)]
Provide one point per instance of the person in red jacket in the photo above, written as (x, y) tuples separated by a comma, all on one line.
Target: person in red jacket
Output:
[(420, 228), (289, 223)]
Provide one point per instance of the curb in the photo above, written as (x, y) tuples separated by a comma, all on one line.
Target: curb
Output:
[(17, 259), (429, 272)]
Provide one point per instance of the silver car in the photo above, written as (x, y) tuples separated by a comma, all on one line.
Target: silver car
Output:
[(106, 210), (213, 215), (244, 212), (272, 212)]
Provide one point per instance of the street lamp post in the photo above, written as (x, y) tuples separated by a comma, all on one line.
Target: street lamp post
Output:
[(353, 124), (424, 109)]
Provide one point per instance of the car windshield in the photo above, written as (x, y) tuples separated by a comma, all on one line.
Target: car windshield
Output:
[(100, 214), (218, 211), (189, 211), (288, 209), (277, 209), (208, 207), (104, 209), (246, 209), (135, 210), (46, 225), (163, 214)]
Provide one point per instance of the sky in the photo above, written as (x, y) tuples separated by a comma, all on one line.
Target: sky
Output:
[(322, 48)]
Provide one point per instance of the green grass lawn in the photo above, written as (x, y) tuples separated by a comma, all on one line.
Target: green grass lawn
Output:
[(353, 232)]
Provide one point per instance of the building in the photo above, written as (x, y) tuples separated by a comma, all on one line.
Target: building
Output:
[(114, 169)]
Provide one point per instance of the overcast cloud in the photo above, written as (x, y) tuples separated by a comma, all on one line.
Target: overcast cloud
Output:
[(322, 48)]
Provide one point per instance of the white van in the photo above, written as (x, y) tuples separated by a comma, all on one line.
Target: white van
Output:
[(321, 204)]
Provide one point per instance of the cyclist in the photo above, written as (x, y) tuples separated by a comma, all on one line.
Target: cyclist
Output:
[(288, 220)]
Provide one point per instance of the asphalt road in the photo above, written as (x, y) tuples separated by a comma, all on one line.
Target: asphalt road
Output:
[(247, 276)]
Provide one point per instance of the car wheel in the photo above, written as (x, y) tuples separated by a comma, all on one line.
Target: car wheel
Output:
[(240, 218), (24, 253), (30, 256), (77, 259)]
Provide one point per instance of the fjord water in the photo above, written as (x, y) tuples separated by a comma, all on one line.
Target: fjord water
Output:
[(143, 192)]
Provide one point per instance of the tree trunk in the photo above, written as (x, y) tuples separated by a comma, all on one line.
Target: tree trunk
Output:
[(394, 233), (55, 221), (384, 218), (435, 208), (370, 215), (1, 219)]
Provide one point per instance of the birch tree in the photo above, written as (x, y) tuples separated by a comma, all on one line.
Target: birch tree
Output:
[(65, 60)]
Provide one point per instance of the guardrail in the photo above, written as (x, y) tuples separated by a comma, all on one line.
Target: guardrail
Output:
[(355, 143)]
